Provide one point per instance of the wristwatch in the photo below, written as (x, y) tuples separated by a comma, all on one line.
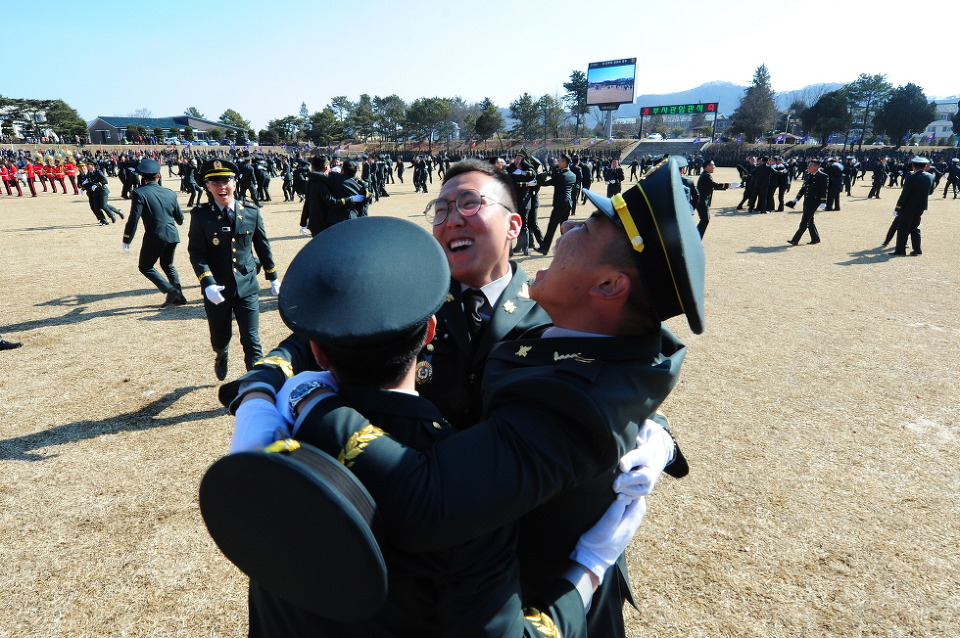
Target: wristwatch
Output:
[(300, 392)]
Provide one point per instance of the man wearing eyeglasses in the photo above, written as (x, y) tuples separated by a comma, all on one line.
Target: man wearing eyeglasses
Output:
[(224, 234), (487, 292)]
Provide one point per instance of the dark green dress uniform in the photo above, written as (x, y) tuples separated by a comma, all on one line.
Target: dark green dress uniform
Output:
[(466, 589), (222, 253), (559, 415), (161, 215), (449, 369)]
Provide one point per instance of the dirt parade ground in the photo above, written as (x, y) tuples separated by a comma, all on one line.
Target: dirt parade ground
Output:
[(819, 413)]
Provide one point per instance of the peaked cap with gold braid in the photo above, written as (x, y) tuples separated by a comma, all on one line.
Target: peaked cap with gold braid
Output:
[(657, 218)]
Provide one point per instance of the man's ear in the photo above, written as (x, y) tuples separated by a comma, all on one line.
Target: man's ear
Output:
[(320, 355), (615, 284), (516, 224)]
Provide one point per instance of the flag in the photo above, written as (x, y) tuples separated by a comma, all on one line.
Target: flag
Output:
[(473, 145), (759, 139), (536, 142), (830, 139), (716, 141), (855, 140), (549, 142), (781, 137), (905, 137), (610, 141), (804, 139), (592, 142), (576, 142), (696, 140), (930, 137), (739, 138)]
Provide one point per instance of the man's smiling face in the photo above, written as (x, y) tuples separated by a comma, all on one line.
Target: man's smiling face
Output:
[(477, 246), (222, 189)]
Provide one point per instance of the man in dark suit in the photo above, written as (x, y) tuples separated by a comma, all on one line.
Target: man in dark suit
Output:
[(247, 181), (160, 211), (224, 234), (705, 187), (313, 219), (763, 180), (814, 193), (879, 178), (563, 180), (525, 180), (913, 200), (834, 173), (561, 408)]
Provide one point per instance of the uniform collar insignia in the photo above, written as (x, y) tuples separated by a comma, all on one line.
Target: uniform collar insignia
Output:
[(509, 306), (524, 292), (449, 298), (522, 352)]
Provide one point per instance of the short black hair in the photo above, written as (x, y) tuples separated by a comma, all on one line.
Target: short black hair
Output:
[(377, 366), (472, 165)]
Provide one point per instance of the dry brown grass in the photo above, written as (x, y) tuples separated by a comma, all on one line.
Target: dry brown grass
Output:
[(819, 412)]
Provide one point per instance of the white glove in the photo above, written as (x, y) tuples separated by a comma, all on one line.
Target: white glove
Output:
[(734, 184), (275, 286), (641, 467), (212, 293), (125, 246), (304, 230), (822, 207), (357, 198), (519, 171), (794, 201), (894, 213), (601, 545), (532, 183), (258, 423), (298, 386)]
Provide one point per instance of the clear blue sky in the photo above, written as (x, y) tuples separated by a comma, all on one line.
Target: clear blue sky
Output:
[(264, 59)]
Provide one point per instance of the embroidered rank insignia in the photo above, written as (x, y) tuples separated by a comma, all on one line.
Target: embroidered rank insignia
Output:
[(278, 362), (509, 306), (424, 373), (449, 298), (522, 352), (216, 241), (357, 443), (542, 622), (524, 292)]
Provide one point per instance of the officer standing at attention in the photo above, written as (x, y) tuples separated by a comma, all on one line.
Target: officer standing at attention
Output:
[(223, 236), (814, 192), (160, 211)]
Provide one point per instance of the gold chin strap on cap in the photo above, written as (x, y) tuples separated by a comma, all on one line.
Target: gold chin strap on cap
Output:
[(620, 205)]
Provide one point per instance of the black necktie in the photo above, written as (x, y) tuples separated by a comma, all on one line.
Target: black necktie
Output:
[(473, 300)]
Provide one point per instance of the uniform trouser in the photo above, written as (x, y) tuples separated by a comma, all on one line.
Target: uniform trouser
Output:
[(875, 190), (287, 190), (16, 184), (246, 187), (759, 198), (220, 321), (194, 192), (583, 195), (43, 182), (575, 194), (908, 226), (703, 212), (63, 185), (106, 205), (31, 184), (154, 250), (73, 182), (263, 191), (94, 199), (833, 197), (951, 183), (807, 223), (558, 215), (400, 176), (613, 189), (529, 230)]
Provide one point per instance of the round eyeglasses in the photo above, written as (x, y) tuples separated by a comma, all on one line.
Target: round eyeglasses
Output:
[(468, 203)]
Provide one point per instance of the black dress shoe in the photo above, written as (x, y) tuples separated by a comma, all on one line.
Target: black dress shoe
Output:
[(896, 254), (9, 345), (792, 242), (813, 242), (916, 252), (104, 222), (220, 366)]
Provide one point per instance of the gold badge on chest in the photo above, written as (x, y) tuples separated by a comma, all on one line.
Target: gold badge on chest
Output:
[(424, 373), (216, 241)]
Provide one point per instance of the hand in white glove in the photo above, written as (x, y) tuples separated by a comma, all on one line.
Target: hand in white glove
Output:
[(734, 184), (125, 246), (212, 293), (275, 286), (299, 386), (641, 467), (304, 230), (258, 423), (519, 171), (357, 198), (601, 545), (532, 183), (822, 207), (894, 213)]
